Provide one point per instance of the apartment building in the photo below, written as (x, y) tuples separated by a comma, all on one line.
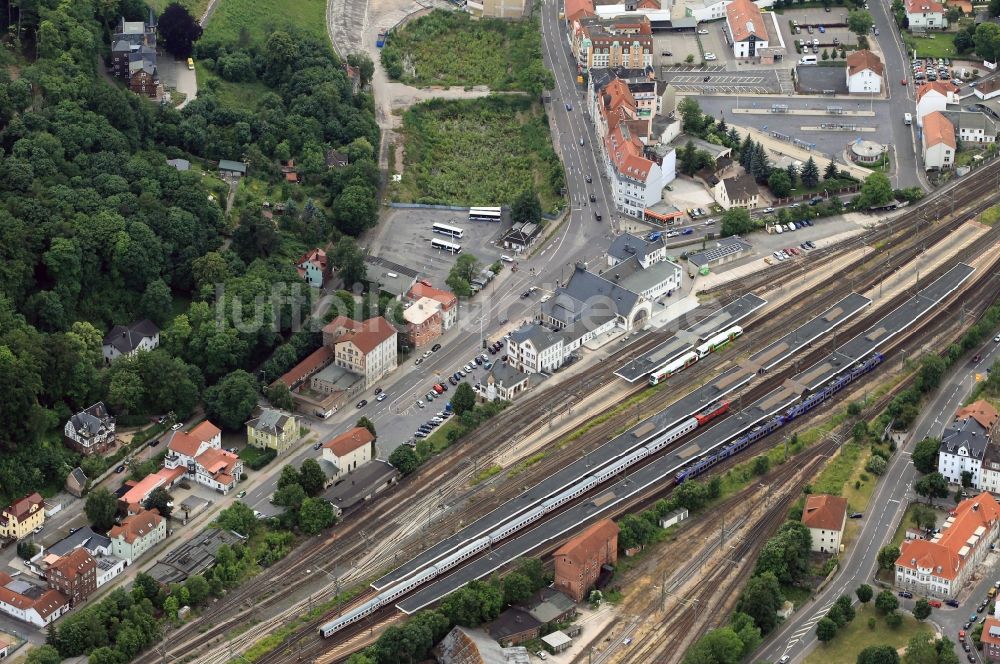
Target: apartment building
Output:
[(367, 349), (747, 29), (273, 429), (137, 534), (625, 41), (939, 567), (199, 452), (864, 72), (74, 575), (578, 562), (825, 517), (23, 516), (938, 142), (934, 96), (90, 431), (925, 14)]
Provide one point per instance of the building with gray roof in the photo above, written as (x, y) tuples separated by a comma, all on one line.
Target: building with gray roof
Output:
[(388, 277), (586, 293), (626, 245), (503, 382), (96, 544), (180, 164), (234, 168), (361, 485), (194, 556), (127, 340), (652, 281), (726, 250), (91, 430), (472, 646), (963, 448)]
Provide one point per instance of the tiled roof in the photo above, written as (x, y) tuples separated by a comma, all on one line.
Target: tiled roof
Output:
[(944, 555), (424, 289), (366, 336), (940, 87), (272, 421), (91, 419), (923, 6), (625, 151), (184, 443), (126, 339), (824, 512), (78, 561), (745, 19), (349, 441), (741, 188), (938, 129), (138, 525), (218, 463), (205, 431), (318, 359), (577, 9), (965, 433), (982, 411), (315, 256), (991, 631), (581, 548), (862, 60), (20, 509)]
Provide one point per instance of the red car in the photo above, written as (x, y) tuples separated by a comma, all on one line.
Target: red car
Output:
[(936, 603), (903, 81)]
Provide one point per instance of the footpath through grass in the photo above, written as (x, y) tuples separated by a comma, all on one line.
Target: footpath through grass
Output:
[(253, 21), (856, 636)]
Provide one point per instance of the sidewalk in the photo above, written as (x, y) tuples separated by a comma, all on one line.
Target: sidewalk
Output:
[(783, 148)]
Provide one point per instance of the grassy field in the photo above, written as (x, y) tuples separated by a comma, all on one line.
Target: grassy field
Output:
[(196, 7), (233, 95), (856, 636), (938, 45), (478, 152), (451, 49), (255, 20)]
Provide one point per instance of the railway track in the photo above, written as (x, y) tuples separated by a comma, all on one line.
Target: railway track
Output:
[(303, 645), (254, 596)]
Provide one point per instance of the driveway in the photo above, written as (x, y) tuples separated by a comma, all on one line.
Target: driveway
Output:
[(175, 75)]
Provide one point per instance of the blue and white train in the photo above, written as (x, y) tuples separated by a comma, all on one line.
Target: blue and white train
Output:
[(584, 485)]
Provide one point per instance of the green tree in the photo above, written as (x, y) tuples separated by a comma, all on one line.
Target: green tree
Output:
[(462, 273), (156, 302), (846, 608), (875, 190), (197, 586), (692, 119), (170, 607), (526, 207), (987, 41), (289, 475), (464, 400), (876, 465), (315, 515), (736, 221), (921, 649), (517, 588), (279, 396), (350, 262), (860, 22), (230, 402), (367, 424), (239, 518), (779, 184), (404, 459), (864, 593), (923, 516), (878, 655), (311, 477), (826, 629), (255, 237), (44, 654), (101, 508), (931, 486), (720, 646), (291, 497), (761, 600), (761, 464), (810, 174), (793, 174), (161, 501), (178, 30), (921, 609), (886, 602), (925, 455), (836, 614), (747, 630), (966, 479), (887, 556), (831, 171)]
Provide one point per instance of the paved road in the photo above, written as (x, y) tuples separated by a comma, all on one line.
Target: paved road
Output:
[(797, 637)]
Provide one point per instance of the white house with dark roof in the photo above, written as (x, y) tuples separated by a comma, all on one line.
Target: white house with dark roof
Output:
[(126, 341), (963, 447), (91, 430), (534, 348), (503, 382), (973, 126), (626, 245), (739, 192)]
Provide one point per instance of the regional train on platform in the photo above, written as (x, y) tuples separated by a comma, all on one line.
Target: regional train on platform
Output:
[(678, 364)]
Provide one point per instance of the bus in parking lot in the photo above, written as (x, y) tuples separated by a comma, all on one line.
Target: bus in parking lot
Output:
[(450, 231), (485, 214), (444, 245)]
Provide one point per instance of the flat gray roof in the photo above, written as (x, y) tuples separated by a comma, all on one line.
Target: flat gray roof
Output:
[(361, 484), (731, 314), (727, 246), (654, 359)]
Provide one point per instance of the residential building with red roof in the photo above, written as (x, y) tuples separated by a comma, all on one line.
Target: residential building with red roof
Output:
[(623, 41), (747, 28), (423, 322), (934, 96), (74, 575), (165, 477), (578, 9), (447, 299), (18, 519), (137, 534), (314, 267), (925, 14), (938, 142), (981, 411), (940, 567), (991, 636), (315, 362), (30, 603), (578, 562), (199, 454), (368, 349), (637, 177), (825, 516), (865, 72), (345, 452)]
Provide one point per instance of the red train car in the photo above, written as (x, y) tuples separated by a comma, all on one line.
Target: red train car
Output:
[(712, 412)]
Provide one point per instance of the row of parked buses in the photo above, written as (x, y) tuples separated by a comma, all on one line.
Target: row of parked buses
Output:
[(685, 360)]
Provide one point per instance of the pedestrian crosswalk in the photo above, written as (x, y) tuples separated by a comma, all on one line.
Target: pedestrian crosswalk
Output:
[(807, 626)]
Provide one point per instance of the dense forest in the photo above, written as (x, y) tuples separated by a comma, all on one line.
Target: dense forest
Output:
[(97, 229)]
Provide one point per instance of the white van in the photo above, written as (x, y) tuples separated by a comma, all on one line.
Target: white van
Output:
[(808, 60), (506, 259), (907, 119)]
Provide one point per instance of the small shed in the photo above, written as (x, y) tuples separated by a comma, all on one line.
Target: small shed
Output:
[(673, 517), (556, 642)]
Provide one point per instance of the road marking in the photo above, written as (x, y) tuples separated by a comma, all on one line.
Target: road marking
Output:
[(895, 500)]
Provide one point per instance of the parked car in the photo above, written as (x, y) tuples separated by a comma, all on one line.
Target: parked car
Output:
[(177, 426), (420, 404), (952, 603), (120, 469), (419, 434), (906, 594), (710, 57), (687, 231), (703, 31), (525, 294), (435, 348), (936, 603)]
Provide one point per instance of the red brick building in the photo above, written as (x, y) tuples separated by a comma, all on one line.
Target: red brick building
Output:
[(74, 575), (578, 562)]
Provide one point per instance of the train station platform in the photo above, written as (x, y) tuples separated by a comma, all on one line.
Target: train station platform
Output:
[(663, 468), (640, 367), (731, 314), (716, 389)]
